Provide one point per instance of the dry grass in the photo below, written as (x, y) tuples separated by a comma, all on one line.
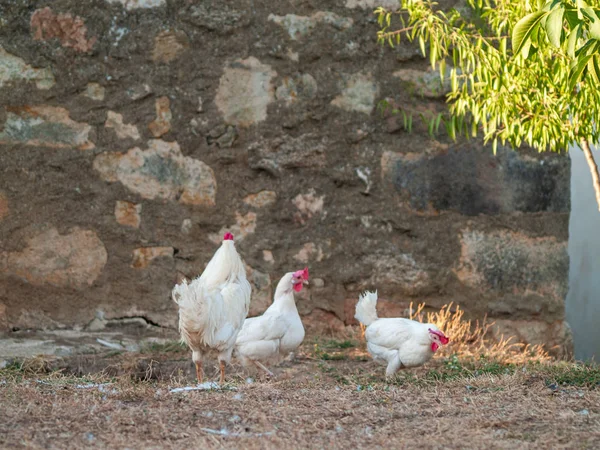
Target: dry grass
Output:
[(478, 393), (472, 339), (313, 403)]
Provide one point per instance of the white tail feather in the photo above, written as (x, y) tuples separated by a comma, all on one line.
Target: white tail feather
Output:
[(366, 308)]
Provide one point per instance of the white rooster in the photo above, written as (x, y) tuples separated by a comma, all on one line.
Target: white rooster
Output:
[(212, 308), (398, 343), (279, 331)]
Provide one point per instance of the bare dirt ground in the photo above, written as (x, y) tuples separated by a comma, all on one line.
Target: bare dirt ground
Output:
[(331, 396)]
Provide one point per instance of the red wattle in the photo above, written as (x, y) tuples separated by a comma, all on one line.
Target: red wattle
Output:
[(298, 287), (434, 347)]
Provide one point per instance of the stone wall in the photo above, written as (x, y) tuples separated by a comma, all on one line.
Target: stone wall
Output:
[(135, 132)]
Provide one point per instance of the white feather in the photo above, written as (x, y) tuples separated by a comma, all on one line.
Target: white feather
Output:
[(395, 342), (212, 308), (276, 333)]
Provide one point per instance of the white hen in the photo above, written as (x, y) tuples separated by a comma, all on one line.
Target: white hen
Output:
[(278, 331), (212, 308), (398, 343)]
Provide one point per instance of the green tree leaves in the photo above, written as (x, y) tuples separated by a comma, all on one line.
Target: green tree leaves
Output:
[(520, 70)]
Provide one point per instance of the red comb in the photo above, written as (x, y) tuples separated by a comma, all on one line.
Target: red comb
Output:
[(302, 273), (443, 338), (228, 237)]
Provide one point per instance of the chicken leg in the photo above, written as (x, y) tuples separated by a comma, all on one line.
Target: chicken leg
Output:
[(222, 364), (199, 372)]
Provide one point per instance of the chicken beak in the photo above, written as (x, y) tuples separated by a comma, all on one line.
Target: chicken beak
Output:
[(305, 282)]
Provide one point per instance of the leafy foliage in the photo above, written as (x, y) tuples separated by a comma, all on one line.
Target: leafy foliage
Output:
[(521, 71)]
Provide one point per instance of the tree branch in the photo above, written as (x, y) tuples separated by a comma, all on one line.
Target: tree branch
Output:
[(585, 146)]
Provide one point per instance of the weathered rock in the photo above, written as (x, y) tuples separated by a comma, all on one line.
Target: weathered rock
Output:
[(222, 20), (244, 225), (162, 124), (222, 135), (71, 31), (73, 260), (44, 126), (14, 69), (301, 26), (139, 4), (169, 45), (308, 205), (128, 214), (426, 83), (139, 92), (268, 256), (262, 292), (358, 94), (4, 210), (261, 199), (525, 273), (398, 273), (322, 321), (309, 251), (124, 131), (306, 151), (186, 226), (161, 171), (473, 182), (556, 337), (95, 91), (142, 257), (245, 91), (390, 5), (299, 87)]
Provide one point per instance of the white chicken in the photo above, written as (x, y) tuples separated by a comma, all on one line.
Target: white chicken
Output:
[(396, 342), (279, 331), (212, 308)]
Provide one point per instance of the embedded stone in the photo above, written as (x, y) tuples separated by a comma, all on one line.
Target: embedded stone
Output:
[(400, 270), (358, 94), (306, 151), (44, 126), (308, 205), (261, 199), (95, 91), (161, 171), (162, 124), (493, 262), (245, 90), (142, 257), (296, 88), (14, 69), (169, 45), (75, 259), (139, 4), (244, 225), (473, 181), (390, 5), (123, 131), (71, 31), (128, 214), (298, 27)]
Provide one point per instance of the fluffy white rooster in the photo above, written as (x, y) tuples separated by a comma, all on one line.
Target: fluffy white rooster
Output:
[(278, 331), (398, 343), (212, 308)]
